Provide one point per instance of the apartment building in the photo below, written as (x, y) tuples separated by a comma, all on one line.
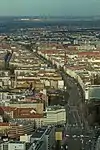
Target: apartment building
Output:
[(55, 115)]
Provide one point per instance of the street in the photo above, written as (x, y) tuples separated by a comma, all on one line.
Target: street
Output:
[(76, 137), (76, 134)]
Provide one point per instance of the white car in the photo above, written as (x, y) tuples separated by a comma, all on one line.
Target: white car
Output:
[(81, 136), (67, 135), (74, 136)]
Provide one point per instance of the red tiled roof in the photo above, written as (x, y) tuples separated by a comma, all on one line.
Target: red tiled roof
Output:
[(4, 124), (8, 109), (1, 111), (23, 112), (26, 113), (89, 53), (29, 116)]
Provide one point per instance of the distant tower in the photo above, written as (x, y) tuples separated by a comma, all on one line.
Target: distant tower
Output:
[(65, 58), (7, 58)]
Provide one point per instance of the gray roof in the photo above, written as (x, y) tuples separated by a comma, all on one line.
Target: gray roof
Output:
[(94, 93), (39, 132)]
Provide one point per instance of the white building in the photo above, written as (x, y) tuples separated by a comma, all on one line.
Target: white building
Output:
[(17, 146), (25, 138), (55, 116)]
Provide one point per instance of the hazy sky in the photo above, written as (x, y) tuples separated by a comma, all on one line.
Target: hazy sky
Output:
[(50, 7)]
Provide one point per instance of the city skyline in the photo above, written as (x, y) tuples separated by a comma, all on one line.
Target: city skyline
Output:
[(50, 8)]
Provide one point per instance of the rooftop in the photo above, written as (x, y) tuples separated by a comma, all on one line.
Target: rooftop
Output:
[(94, 93), (17, 142)]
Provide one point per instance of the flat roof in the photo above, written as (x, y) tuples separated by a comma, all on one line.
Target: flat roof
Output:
[(19, 142), (51, 108), (94, 92)]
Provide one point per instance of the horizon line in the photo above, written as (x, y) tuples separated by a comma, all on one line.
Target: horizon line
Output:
[(49, 16)]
